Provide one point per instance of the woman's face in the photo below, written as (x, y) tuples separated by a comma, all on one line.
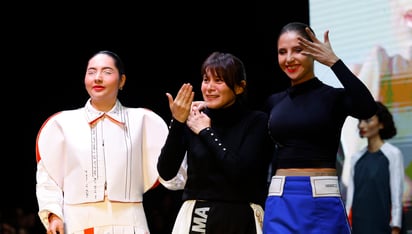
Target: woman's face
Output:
[(216, 93), (369, 128), (298, 67), (402, 12), (102, 80)]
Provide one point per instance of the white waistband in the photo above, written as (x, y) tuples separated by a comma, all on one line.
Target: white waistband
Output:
[(322, 186)]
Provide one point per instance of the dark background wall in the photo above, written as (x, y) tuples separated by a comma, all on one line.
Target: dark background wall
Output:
[(46, 48)]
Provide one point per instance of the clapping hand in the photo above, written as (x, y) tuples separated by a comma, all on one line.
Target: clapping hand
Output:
[(180, 107)]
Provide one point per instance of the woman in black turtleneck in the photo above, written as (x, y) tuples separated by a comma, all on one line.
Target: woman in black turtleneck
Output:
[(306, 121), (227, 150)]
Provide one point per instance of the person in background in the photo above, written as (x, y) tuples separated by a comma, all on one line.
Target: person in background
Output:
[(305, 122), (375, 189), (95, 163), (226, 148)]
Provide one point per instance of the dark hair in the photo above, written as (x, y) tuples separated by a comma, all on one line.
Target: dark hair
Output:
[(385, 117), (228, 67), (117, 61), (297, 27)]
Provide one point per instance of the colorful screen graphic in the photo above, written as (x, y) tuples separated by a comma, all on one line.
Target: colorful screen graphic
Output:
[(374, 38)]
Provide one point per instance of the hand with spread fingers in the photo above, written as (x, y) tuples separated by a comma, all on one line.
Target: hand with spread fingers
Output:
[(322, 52)]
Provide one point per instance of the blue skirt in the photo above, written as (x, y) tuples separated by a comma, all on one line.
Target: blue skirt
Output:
[(304, 204)]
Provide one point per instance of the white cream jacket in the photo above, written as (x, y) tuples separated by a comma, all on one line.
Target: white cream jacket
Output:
[(84, 155)]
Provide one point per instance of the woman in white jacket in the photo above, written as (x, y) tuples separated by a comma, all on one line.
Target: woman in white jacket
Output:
[(376, 183), (96, 162)]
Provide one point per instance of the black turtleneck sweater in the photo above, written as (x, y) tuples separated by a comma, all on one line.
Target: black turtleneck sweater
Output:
[(227, 162), (306, 120)]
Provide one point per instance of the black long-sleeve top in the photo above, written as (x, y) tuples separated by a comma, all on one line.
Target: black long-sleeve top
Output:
[(306, 120), (228, 162)]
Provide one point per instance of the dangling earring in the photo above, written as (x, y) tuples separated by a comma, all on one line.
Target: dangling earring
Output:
[(121, 88)]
